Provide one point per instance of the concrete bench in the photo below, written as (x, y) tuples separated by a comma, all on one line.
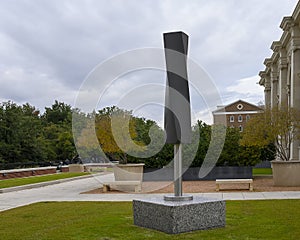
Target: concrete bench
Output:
[(108, 185), (234, 181)]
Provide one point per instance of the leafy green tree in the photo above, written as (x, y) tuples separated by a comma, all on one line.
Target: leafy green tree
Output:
[(145, 137), (58, 142), (86, 145), (204, 140), (232, 154), (157, 154), (142, 127), (235, 154), (31, 127), (116, 132), (58, 138), (250, 156), (231, 151), (20, 133), (10, 133), (65, 146), (28, 136), (58, 113), (162, 158), (275, 130)]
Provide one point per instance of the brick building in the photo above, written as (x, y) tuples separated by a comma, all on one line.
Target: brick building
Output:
[(235, 114)]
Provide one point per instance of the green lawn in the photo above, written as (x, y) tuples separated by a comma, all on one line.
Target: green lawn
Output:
[(262, 171), (13, 182), (266, 219)]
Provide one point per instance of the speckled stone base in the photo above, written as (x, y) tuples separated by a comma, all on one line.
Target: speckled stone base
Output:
[(179, 217)]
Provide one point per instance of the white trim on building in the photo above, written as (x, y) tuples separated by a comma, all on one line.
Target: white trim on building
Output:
[(231, 113)]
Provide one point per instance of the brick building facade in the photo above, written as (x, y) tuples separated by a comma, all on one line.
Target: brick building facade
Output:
[(235, 114)]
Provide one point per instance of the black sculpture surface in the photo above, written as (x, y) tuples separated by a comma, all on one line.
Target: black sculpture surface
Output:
[(177, 118)]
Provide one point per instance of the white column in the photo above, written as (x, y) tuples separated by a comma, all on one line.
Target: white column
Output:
[(268, 83), (283, 78), (265, 81), (295, 82), (288, 87), (274, 85), (267, 91)]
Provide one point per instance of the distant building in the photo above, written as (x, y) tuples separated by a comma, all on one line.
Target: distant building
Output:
[(236, 114)]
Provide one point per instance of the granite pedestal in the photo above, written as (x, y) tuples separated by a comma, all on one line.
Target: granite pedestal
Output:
[(179, 216)]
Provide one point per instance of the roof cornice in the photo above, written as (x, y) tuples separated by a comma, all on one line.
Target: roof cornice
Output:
[(286, 23), (268, 62), (276, 45), (296, 13), (274, 57)]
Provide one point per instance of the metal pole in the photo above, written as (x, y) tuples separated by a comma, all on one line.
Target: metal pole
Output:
[(178, 196), (178, 170)]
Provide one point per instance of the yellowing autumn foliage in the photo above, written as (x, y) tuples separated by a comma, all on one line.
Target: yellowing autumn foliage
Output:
[(116, 134), (278, 126)]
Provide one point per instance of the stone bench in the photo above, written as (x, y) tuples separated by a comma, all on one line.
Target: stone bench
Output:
[(108, 185), (234, 181)]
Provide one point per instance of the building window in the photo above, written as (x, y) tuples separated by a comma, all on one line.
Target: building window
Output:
[(241, 128), (231, 119), (247, 118), (240, 118)]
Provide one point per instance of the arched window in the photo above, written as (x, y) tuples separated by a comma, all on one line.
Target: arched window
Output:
[(240, 118), (241, 128), (231, 119)]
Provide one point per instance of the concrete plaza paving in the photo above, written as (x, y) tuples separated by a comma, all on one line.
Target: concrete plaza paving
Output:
[(71, 191)]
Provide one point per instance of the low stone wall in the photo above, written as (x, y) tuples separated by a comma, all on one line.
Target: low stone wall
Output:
[(76, 168), (26, 172), (192, 174), (97, 167), (263, 164), (64, 168)]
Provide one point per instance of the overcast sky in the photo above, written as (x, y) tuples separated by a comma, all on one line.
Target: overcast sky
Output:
[(48, 47)]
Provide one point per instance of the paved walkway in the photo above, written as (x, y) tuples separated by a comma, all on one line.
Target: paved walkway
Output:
[(70, 191)]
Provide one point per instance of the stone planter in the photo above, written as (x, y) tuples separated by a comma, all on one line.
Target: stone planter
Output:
[(286, 173), (129, 172), (76, 168)]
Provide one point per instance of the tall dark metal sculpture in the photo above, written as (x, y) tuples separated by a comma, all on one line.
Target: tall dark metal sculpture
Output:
[(177, 118), (177, 213)]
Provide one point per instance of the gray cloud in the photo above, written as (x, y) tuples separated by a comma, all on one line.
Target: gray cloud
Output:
[(47, 48)]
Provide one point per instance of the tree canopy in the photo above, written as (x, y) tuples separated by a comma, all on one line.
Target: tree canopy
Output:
[(29, 136), (275, 130), (116, 130)]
